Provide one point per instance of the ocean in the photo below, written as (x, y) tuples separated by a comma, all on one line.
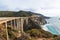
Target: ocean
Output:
[(53, 25)]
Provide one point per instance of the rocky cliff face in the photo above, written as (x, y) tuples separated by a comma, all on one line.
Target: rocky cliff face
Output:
[(32, 24)]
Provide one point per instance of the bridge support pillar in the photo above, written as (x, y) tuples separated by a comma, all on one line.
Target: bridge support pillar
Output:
[(14, 24), (6, 30), (18, 24), (11, 24), (26, 20), (21, 24)]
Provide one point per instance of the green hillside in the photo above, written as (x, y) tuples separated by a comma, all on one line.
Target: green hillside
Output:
[(14, 14)]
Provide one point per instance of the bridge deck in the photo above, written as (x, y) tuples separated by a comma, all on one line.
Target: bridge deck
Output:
[(5, 19)]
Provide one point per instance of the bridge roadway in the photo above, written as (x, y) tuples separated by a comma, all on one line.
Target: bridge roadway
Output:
[(6, 19)]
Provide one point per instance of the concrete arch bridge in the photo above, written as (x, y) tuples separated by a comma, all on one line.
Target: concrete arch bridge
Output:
[(14, 22)]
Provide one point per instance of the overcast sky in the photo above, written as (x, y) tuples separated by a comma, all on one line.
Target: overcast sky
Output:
[(46, 7)]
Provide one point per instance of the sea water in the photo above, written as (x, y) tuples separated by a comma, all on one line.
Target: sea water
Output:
[(53, 26)]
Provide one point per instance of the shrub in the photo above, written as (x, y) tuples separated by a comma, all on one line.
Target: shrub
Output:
[(11, 34), (34, 32), (57, 38)]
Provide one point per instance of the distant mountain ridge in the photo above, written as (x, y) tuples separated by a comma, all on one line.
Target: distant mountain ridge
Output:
[(41, 15), (19, 13)]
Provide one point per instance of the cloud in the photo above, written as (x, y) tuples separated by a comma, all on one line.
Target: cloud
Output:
[(45, 7)]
